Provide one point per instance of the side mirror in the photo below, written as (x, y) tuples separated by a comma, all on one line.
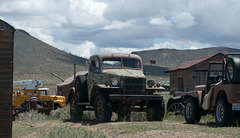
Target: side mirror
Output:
[(88, 63), (152, 61)]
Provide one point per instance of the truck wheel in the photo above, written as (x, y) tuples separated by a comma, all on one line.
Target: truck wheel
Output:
[(81, 91), (32, 103), (156, 111), (177, 108), (232, 73), (192, 111), (223, 113), (102, 109), (76, 111), (56, 106)]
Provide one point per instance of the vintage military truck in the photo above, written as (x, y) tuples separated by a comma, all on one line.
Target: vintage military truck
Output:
[(115, 83), (220, 95)]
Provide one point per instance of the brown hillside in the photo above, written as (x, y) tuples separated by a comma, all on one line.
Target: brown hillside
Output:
[(34, 59)]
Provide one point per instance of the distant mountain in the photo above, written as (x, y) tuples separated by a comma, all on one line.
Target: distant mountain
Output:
[(171, 57), (34, 59), (155, 70)]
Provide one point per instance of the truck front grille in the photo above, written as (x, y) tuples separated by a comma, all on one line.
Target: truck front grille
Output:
[(134, 86)]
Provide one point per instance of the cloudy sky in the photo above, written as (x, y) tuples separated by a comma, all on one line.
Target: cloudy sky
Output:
[(85, 27)]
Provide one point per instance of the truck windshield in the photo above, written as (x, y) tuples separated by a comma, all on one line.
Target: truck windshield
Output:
[(121, 62), (44, 92), (215, 74)]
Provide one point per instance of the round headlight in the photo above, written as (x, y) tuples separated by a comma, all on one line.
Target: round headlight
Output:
[(150, 83), (114, 82)]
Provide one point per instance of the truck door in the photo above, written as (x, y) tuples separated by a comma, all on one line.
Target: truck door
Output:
[(94, 73)]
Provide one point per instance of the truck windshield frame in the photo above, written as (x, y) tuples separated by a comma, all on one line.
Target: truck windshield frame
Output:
[(121, 63)]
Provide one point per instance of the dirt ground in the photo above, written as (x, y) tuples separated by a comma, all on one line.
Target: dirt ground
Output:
[(129, 129)]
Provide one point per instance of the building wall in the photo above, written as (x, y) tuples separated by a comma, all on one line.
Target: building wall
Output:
[(187, 78), (6, 81)]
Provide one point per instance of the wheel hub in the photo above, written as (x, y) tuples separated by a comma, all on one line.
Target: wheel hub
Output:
[(100, 109), (220, 113), (189, 111), (176, 107)]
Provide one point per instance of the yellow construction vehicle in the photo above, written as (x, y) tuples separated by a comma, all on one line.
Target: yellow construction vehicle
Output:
[(27, 96)]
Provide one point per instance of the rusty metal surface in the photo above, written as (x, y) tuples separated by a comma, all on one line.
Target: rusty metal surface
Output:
[(232, 92), (118, 55), (129, 81), (193, 62)]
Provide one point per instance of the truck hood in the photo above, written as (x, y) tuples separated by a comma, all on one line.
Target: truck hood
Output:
[(124, 72)]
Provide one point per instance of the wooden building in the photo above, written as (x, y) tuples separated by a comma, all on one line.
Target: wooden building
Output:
[(6, 78), (191, 73)]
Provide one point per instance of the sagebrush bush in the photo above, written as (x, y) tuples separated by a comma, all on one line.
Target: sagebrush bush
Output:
[(61, 113), (172, 117), (138, 116), (32, 115), (66, 131)]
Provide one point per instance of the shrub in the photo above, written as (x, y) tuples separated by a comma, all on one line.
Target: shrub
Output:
[(72, 132), (31, 115), (61, 113)]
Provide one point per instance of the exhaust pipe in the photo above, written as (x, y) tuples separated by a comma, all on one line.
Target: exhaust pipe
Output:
[(74, 67)]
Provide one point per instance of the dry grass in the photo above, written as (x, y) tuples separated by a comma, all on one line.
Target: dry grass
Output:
[(58, 125)]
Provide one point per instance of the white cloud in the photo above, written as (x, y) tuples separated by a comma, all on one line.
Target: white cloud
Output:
[(118, 25), (183, 20), (85, 49), (86, 12), (193, 44), (116, 50), (168, 45), (161, 22)]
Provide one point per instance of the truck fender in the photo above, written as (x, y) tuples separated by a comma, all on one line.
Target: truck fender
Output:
[(174, 99), (194, 94), (71, 94), (95, 91)]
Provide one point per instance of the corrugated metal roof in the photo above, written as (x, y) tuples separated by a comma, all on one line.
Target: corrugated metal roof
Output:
[(193, 62)]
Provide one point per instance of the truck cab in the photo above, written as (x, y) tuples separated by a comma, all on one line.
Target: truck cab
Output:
[(121, 72), (44, 94)]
